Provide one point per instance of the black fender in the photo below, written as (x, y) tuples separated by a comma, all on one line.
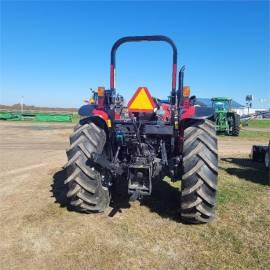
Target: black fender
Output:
[(87, 115), (203, 113), (86, 110)]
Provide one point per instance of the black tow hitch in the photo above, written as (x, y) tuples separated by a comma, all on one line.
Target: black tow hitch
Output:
[(139, 179)]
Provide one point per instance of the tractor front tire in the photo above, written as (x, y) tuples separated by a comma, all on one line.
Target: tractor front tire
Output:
[(86, 191), (200, 172), (236, 124)]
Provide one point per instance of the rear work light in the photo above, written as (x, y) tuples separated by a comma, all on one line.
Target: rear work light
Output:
[(101, 91), (186, 91)]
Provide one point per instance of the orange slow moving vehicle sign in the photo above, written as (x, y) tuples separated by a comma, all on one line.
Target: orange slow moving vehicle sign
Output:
[(141, 101)]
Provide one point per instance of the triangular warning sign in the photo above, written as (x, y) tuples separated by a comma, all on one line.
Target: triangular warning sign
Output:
[(141, 101)]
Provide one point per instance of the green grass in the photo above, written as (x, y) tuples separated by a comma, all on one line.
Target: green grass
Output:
[(262, 136), (248, 134), (255, 123)]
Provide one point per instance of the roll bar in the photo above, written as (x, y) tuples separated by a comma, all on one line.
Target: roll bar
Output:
[(123, 40)]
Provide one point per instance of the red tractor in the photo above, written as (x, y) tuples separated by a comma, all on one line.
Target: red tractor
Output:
[(142, 142)]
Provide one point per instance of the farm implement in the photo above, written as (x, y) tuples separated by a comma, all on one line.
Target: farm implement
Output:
[(36, 116)]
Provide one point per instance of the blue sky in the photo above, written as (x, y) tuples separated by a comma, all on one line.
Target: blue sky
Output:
[(53, 52)]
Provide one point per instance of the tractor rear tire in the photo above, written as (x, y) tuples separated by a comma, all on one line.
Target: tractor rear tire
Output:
[(200, 172), (84, 178), (236, 124)]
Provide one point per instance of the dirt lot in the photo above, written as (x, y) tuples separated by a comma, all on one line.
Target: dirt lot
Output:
[(39, 232)]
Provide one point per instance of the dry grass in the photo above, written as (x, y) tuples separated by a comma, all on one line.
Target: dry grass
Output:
[(37, 231), (146, 236)]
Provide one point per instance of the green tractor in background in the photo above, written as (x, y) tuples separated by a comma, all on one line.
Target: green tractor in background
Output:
[(227, 121)]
